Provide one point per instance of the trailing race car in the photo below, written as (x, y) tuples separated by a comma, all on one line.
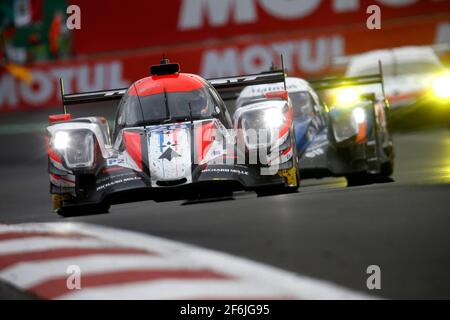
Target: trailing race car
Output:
[(350, 138), (173, 139), (416, 82)]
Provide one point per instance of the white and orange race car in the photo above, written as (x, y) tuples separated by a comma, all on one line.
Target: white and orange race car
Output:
[(173, 138), (417, 84)]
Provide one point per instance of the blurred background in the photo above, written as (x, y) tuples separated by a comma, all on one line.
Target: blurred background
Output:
[(323, 232), (117, 41)]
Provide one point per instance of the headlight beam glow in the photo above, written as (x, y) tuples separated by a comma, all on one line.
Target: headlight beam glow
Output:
[(274, 118), (441, 87), (61, 140), (359, 115), (347, 96)]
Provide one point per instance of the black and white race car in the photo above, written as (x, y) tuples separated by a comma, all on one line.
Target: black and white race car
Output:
[(350, 138), (173, 138)]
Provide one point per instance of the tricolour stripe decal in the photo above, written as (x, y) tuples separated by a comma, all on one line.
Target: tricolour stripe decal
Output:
[(133, 146)]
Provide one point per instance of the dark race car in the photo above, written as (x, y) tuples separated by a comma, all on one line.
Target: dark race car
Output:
[(173, 138)]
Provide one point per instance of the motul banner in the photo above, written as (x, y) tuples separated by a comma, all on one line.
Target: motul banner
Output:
[(108, 25), (306, 54)]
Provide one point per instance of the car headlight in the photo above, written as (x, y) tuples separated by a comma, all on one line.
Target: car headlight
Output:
[(80, 152), (346, 122), (274, 118), (441, 86), (76, 146), (61, 140), (359, 115), (347, 96)]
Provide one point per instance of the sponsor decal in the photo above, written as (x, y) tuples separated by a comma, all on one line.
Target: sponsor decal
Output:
[(308, 55), (110, 181), (316, 150), (115, 162), (226, 170), (118, 181)]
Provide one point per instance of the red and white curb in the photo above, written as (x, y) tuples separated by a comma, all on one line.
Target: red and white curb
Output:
[(117, 264)]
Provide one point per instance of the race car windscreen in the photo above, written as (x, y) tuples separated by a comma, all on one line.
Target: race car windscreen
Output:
[(164, 107), (302, 104)]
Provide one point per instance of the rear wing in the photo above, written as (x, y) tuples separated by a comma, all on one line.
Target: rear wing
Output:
[(93, 96), (107, 98), (229, 88), (339, 82)]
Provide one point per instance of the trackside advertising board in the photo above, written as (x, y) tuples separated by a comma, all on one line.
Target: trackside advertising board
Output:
[(142, 23), (308, 43)]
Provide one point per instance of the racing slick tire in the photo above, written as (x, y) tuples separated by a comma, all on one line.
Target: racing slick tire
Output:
[(387, 168), (359, 179), (275, 190), (79, 210), (364, 178)]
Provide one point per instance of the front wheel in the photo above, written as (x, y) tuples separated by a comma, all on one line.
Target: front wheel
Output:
[(359, 179), (291, 176), (292, 185), (387, 168), (363, 178)]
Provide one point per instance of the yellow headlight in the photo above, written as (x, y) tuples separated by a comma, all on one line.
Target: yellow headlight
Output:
[(441, 87), (347, 96)]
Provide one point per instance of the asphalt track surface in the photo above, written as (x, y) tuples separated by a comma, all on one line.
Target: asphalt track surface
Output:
[(326, 231)]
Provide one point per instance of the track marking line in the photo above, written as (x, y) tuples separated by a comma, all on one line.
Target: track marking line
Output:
[(183, 290), (23, 235), (57, 287), (45, 243), (67, 252)]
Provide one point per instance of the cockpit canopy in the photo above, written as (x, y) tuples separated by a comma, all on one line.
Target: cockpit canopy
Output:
[(165, 99)]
